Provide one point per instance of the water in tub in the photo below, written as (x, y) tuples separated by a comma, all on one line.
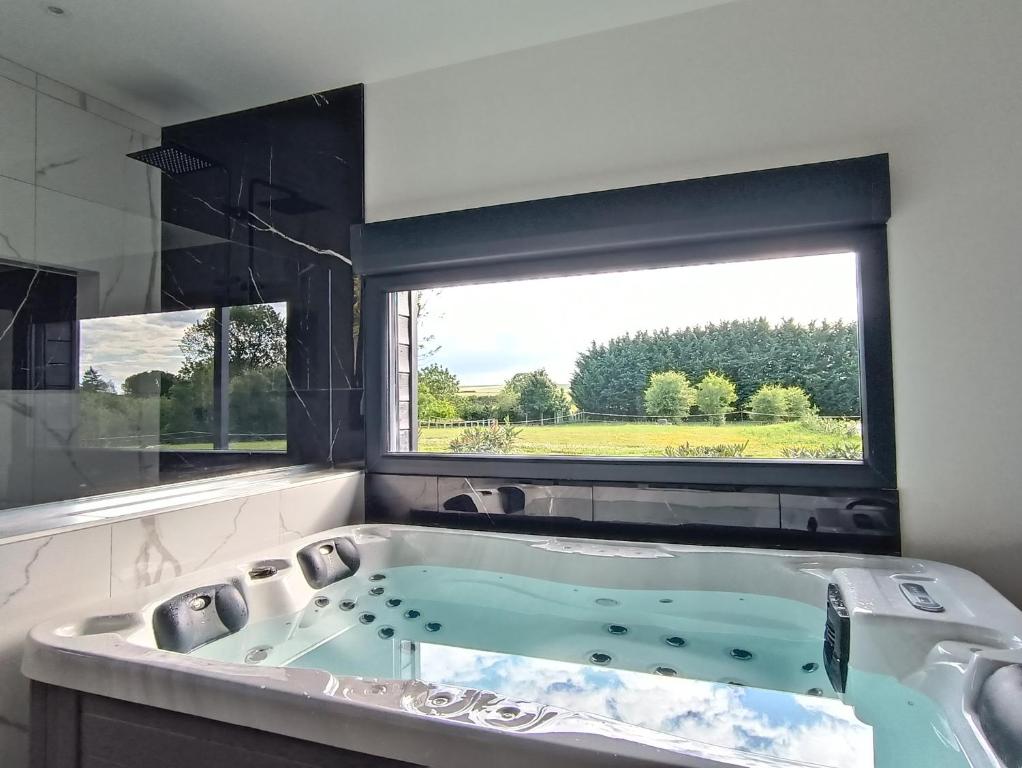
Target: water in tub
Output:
[(740, 671)]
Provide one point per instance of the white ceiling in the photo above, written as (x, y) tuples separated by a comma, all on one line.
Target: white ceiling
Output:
[(176, 60)]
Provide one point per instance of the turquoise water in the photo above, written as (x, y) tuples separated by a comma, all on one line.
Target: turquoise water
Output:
[(738, 670)]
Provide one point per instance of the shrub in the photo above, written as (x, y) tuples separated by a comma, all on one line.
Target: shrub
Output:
[(721, 451), (432, 407), (477, 407), (715, 395), (813, 422), (669, 394), (797, 402), (495, 438), (769, 403), (846, 450), (772, 402)]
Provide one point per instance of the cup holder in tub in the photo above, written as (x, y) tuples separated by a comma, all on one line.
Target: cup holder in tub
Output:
[(262, 570)]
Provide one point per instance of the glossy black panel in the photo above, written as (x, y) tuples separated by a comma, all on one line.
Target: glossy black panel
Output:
[(494, 496), (41, 336), (700, 515), (668, 506), (394, 497), (867, 514)]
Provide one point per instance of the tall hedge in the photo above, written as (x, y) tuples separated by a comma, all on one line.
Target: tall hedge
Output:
[(822, 358)]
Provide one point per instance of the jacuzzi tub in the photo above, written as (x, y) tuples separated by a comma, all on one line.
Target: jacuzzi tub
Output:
[(451, 648)]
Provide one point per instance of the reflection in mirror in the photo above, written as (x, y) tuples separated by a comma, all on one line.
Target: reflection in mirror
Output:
[(152, 381)]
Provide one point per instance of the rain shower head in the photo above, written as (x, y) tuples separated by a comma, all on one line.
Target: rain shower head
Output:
[(172, 159)]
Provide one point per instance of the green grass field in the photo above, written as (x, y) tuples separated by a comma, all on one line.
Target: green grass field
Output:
[(765, 440)]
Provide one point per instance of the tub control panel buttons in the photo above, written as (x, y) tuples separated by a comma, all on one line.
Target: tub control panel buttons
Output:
[(920, 599)]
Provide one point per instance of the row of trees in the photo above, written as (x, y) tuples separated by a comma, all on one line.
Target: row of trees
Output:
[(773, 371), (670, 395), (819, 358)]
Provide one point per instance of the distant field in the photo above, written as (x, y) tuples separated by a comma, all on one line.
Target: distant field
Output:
[(481, 389), (246, 445), (765, 440)]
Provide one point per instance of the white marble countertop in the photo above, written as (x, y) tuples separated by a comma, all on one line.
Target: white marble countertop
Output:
[(37, 520)]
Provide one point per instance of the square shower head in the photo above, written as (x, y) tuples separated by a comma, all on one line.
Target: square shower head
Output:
[(172, 159)]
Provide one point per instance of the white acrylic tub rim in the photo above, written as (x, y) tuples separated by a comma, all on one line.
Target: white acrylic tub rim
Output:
[(110, 650)]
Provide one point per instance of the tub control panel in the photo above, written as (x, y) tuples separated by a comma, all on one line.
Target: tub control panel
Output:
[(919, 598), (836, 638)]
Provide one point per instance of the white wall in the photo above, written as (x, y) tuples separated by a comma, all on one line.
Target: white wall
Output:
[(766, 83), (71, 199)]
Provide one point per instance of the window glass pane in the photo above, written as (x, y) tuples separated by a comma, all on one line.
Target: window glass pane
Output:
[(753, 359)]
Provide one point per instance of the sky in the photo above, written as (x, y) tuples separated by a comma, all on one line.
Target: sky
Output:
[(120, 346), (486, 333)]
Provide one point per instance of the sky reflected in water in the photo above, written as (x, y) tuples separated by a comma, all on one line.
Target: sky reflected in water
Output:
[(803, 728)]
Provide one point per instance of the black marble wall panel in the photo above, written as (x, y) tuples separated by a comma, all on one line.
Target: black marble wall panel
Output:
[(268, 221)]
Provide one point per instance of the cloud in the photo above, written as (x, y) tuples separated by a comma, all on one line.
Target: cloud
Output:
[(120, 346)]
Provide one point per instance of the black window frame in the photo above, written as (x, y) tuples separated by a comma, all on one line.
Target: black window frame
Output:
[(844, 208)]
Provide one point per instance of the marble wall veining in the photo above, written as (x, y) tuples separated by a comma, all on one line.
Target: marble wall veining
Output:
[(43, 576), (72, 204), (38, 577)]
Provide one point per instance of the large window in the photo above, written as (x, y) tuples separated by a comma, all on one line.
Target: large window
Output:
[(732, 331), (741, 360)]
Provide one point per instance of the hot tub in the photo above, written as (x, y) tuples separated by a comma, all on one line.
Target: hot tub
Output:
[(372, 644)]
